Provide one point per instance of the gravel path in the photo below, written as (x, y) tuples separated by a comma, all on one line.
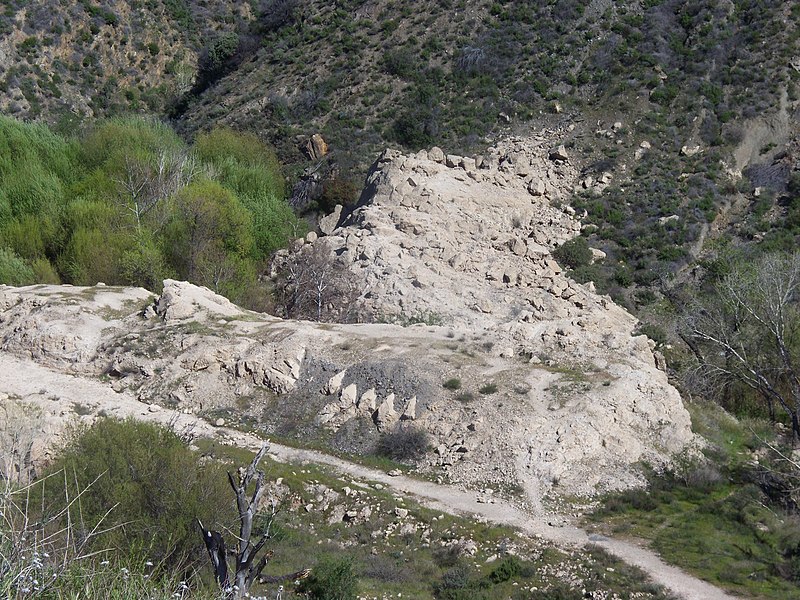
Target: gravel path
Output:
[(57, 394)]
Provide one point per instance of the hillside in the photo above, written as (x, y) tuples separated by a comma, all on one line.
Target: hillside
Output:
[(69, 61), (691, 106)]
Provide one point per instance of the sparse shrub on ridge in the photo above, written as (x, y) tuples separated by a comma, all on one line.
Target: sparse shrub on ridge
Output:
[(331, 579), (404, 443), (489, 388), (453, 383)]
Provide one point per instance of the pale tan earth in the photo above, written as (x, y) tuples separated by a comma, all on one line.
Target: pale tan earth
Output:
[(581, 400)]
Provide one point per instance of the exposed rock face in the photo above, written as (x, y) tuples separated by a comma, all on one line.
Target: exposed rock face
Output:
[(433, 242), (317, 147), (555, 390)]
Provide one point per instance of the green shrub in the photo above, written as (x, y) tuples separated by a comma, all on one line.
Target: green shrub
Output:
[(250, 169), (152, 484), (14, 270), (338, 191), (574, 253), (452, 384), (654, 332), (92, 255), (489, 388), (331, 579), (222, 48), (509, 568), (44, 272), (209, 238), (28, 235), (34, 163), (110, 144)]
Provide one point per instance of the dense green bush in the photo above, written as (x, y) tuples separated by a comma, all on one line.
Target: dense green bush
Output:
[(140, 483), (453, 383), (129, 203), (331, 579), (14, 270), (574, 253), (209, 237), (222, 48), (251, 170)]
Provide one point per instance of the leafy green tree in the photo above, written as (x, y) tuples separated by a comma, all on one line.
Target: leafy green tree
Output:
[(142, 264), (135, 164), (250, 169), (35, 168), (106, 145), (93, 255), (209, 236)]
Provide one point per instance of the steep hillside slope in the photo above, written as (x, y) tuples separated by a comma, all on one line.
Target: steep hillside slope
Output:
[(693, 104), (65, 61)]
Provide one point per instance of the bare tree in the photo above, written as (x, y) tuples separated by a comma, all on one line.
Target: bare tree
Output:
[(248, 565), (148, 182), (748, 331), (314, 284)]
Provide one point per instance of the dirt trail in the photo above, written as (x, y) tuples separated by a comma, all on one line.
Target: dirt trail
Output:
[(57, 395)]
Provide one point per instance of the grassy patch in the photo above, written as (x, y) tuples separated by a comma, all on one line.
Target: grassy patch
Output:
[(452, 384), (718, 519), (488, 388)]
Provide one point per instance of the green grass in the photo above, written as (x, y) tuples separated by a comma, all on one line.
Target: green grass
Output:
[(452, 384), (488, 388), (712, 520)]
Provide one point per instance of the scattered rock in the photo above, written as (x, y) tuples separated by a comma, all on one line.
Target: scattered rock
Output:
[(334, 384), (349, 395), (386, 415), (327, 225), (436, 154), (317, 147), (690, 150), (559, 153)]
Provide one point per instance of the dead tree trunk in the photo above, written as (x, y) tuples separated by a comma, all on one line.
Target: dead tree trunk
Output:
[(248, 566)]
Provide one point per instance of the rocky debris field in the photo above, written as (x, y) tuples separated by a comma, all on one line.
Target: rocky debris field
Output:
[(526, 382)]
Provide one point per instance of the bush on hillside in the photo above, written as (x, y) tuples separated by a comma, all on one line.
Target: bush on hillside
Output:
[(404, 443), (574, 253), (331, 579), (143, 486)]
